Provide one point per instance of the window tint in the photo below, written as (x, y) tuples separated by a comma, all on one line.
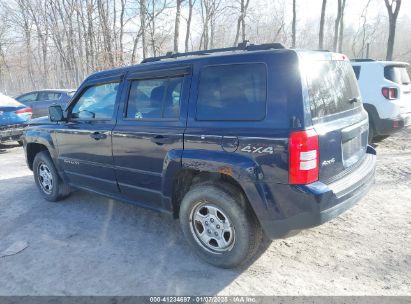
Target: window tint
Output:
[(397, 74), (154, 98), (357, 71), (232, 92), (331, 87), (49, 96), (97, 102), (28, 97)]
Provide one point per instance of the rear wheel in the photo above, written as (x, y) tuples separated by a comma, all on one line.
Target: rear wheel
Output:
[(220, 225), (48, 181)]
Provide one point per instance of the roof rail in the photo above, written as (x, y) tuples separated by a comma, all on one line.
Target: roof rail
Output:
[(243, 46), (362, 60)]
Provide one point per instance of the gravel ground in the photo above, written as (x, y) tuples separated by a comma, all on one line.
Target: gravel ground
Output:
[(90, 245)]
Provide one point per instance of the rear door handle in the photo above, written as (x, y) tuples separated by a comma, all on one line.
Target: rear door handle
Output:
[(161, 140), (98, 135)]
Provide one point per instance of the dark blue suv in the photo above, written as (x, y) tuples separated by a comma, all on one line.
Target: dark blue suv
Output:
[(234, 142)]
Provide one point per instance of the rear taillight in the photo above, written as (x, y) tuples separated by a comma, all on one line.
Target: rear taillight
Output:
[(390, 93), (303, 157), (24, 111)]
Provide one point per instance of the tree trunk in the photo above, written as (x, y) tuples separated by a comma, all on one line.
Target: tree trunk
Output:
[(322, 20), (177, 25), (341, 34), (123, 8), (337, 26), (392, 17), (294, 24), (190, 15), (143, 26)]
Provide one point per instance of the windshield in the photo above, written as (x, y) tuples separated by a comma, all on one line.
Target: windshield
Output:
[(397, 74), (332, 87)]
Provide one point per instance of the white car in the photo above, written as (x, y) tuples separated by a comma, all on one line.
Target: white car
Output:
[(386, 93)]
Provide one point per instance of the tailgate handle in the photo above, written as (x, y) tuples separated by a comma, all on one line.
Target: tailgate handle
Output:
[(354, 130)]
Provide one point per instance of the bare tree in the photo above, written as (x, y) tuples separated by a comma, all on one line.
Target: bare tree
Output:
[(337, 26), (393, 8), (190, 16), (294, 25), (322, 19), (143, 16), (177, 24), (241, 21), (341, 30)]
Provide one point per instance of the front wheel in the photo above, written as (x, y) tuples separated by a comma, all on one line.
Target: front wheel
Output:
[(220, 225), (51, 186)]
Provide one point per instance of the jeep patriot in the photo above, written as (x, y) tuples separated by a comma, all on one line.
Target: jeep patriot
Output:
[(233, 142)]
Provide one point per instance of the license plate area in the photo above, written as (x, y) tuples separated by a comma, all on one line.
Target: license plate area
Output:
[(353, 149)]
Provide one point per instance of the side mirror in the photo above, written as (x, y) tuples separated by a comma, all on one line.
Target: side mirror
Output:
[(56, 113)]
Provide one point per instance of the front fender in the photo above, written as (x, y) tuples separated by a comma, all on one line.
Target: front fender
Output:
[(42, 137)]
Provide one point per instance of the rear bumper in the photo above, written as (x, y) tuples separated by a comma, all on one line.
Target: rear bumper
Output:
[(11, 132), (301, 207), (390, 126)]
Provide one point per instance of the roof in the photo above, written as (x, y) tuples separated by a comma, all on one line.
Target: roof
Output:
[(383, 62)]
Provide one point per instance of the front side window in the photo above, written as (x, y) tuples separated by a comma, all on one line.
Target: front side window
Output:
[(154, 98), (232, 92), (96, 103)]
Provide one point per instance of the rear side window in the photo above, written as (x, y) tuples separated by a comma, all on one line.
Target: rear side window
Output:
[(48, 96), (357, 71), (397, 74), (332, 88), (154, 98), (232, 92)]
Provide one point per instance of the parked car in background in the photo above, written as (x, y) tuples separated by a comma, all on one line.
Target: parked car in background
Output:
[(13, 118), (233, 142), (386, 92), (39, 101)]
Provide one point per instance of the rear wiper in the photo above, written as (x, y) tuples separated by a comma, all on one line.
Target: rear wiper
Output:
[(354, 99)]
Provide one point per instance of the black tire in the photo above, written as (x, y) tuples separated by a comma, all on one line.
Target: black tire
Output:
[(57, 189), (246, 230)]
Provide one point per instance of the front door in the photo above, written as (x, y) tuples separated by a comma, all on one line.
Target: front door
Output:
[(84, 141), (148, 136)]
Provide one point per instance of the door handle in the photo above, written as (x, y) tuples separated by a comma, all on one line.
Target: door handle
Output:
[(98, 135), (161, 140)]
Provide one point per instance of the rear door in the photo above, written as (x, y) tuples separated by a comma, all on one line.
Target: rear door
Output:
[(148, 136), (337, 113)]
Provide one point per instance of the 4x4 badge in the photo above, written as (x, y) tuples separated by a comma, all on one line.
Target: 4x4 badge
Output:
[(259, 150)]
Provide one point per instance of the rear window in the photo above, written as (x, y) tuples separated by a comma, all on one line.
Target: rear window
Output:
[(331, 87), (6, 101), (397, 74), (232, 92)]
